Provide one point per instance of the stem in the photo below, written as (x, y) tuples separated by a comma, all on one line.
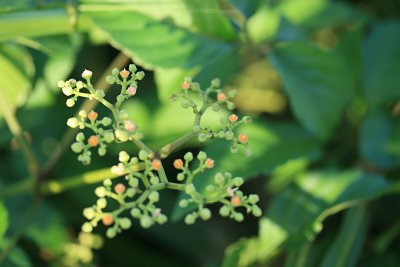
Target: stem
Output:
[(15, 128), (166, 150), (142, 146), (162, 175)]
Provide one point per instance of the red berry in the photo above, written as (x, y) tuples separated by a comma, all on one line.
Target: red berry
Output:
[(156, 164), (221, 97), (92, 115), (209, 163), (178, 164), (243, 138), (120, 188), (93, 141), (233, 118), (235, 201), (107, 219)]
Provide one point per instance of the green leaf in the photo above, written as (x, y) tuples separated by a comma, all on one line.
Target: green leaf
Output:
[(17, 69), (381, 63), (300, 209), (3, 220), (154, 43), (346, 248), (317, 83), (16, 258), (272, 144)]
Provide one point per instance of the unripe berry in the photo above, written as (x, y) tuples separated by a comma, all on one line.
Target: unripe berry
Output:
[(86, 74), (131, 90), (119, 188), (202, 156), (224, 211), (183, 203), (139, 75), (93, 141), (185, 85), (180, 177), (205, 214), (87, 227), (188, 156), (70, 102), (123, 156), (235, 201), (129, 126), (146, 221), (221, 97), (111, 233), (125, 223), (92, 115), (238, 217), (107, 219), (124, 73), (190, 219), (100, 191), (178, 164), (209, 163), (156, 164), (243, 138), (233, 118), (73, 122), (154, 196)]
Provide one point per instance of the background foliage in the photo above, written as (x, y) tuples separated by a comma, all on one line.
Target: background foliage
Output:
[(321, 78)]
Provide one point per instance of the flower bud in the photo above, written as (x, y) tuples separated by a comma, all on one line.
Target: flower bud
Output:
[(89, 213), (124, 73), (238, 217), (111, 233), (102, 151), (70, 102), (106, 121), (183, 203), (154, 196), (139, 75), (107, 219), (93, 141), (67, 90), (131, 90), (224, 211), (132, 68), (188, 156), (257, 212), (202, 156), (243, 138), (119, 188), (205, 214), (146, 221), (235, 201), (221, 97), (110, 79), (238, 181), (233, 118), (209, 163), (100, 191), (99, 94), (86, 74), (123, 114), (123, 156), (129, 126), (60, 84), (87, 227), (125, 223), (156, 164), (92, 115), (178, 164), (73, 122), (216, 83), (190, 219), (135, 212), (77, 147)]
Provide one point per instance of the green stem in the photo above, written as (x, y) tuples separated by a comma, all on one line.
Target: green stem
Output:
[(142, 146), (15, 128), (162, 175), (166, 150)]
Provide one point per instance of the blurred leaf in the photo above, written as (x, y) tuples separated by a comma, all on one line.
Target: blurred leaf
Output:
[(154, 43), (346, 248), (16, 258), (308, 14), (317, 83), (307, 202), (381, 63), (287, 31), (271, 143), (3, 220), (17, 69)]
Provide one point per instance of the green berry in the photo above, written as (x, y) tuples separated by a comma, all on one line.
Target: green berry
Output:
[(188, 156), (253, 199), (219, 178), (205, 214), (146, 221), (154, 196), (202, 156), (135, 212), (87, 227), (238, 217), (89, 213), (256, 211), (123, 156), (111, 233), (190, 219), (101, 203), (238, 181), (110, 79), (100, 191), (77, 147), (224, 211), (180, 177), (183, 203), (125, 223)]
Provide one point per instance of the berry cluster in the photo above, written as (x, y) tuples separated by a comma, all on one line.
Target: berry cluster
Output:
[(136, 197)]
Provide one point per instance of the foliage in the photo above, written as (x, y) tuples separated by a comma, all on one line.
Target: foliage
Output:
[(319, 78)]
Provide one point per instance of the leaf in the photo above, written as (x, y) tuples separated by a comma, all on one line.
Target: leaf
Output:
[(17, 69), (347, 246), (16, 258), (272, 144), (3, 220), (154, 43), (381, 64), (318, 85), (307, 202)]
